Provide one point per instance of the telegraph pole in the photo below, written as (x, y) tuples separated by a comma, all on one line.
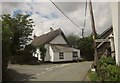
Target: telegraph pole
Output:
[(94, 34)]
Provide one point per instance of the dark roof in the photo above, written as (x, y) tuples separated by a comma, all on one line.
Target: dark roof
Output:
[(46, 38), (106, 32)]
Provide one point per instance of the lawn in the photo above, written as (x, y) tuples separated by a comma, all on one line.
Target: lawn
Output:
[(93, 76)]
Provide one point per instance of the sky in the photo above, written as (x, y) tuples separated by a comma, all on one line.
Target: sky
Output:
[(46, 15)]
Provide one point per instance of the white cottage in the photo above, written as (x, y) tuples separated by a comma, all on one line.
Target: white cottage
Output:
[(57, 47)]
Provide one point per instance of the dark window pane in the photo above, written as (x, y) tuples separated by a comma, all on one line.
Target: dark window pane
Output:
[(61, 56)]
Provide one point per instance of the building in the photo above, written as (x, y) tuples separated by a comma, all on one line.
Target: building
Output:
[(106, 43), (57, 47), (115, 8)]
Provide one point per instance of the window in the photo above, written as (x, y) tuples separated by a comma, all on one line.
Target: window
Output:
[(75, 54), (61, 56)]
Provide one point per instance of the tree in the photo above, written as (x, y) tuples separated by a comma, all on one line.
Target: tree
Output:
[(84, 44), (22, 29), (73, 40), (25, 56), (86, 47), (16, 32), (7, 35), (43, 51)]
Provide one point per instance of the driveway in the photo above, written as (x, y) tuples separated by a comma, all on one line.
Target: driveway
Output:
[(75, 71)]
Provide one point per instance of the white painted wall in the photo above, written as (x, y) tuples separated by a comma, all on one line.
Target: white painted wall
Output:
[(54, 56), (47, 56), (112, 44), (78, 51), (58, 40), (116, 30), (37, 54), (51, 54), (119, 33), (67, 57)]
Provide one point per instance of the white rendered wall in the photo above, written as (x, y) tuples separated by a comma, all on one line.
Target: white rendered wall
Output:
[(47, 56), (58, 40), (112, 44), (67, 57), (37, 54), (78, 51), (116, 30), (51, 54)]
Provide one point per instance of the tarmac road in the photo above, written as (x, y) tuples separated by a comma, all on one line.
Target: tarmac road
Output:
[(75, 71)]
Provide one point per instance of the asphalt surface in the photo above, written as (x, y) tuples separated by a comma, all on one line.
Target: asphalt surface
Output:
[(75, 71)]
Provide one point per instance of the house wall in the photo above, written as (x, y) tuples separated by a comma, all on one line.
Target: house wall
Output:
[(115, 7), (112, 45), (58, 40), (67, 57), (47, 56), (51, 54), (78, 51), (37, 54), (54, 56)]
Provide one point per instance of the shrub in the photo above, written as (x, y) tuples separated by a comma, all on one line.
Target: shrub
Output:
[(107, 70)]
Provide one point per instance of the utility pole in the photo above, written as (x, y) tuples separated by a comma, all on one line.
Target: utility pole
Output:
[(94, 34), (82, 33)]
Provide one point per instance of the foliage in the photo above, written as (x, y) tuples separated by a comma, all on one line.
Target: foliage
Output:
[(107, 70), (84, 44), (93, 76), (73, 40), (16, 32), (43, 51), (25, 56), (7, 34), (106, 61)]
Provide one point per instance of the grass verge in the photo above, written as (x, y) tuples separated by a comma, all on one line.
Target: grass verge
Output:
[(93, 76)]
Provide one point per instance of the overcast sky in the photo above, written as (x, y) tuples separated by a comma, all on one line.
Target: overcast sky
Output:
[(46, 15)]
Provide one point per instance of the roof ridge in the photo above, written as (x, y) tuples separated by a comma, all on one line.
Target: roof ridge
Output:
[(49, 32)]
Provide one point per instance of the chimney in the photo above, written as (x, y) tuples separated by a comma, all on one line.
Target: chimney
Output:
[(51, 29), (34, 35)]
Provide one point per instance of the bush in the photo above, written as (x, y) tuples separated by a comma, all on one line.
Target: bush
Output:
[(107, 70)]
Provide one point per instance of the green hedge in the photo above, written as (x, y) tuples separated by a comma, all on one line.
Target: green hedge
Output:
[(107, 70)]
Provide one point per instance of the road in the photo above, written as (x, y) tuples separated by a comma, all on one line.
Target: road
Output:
[(75, 71)]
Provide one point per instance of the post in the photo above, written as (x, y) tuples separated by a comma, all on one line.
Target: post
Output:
[(82, 33), (94, 34)]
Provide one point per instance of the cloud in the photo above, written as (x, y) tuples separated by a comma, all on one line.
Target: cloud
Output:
[(45, 15), (103, 18), (9, 7), (69, 7)]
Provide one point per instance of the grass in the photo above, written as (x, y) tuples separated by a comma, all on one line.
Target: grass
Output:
[(93, 76)]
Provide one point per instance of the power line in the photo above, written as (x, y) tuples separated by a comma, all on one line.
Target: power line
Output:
[(66, 15)]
